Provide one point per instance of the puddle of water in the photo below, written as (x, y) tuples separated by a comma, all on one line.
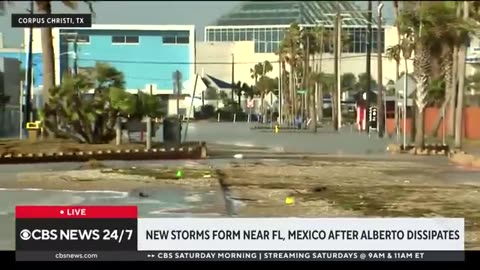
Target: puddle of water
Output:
[(159, 203), (152, 201)]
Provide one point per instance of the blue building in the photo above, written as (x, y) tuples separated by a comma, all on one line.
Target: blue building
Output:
[(146, 54), (21, 56)]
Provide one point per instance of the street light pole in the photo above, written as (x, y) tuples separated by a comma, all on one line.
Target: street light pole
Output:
[(368, 68), (233, 77), (336, 71), (381, 109), (280, 89), (29, 82), (75, 53), (339, 72)]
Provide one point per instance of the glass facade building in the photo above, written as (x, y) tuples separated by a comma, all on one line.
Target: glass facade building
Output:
[(266, 22)]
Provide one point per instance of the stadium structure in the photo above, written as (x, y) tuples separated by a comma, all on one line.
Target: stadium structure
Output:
[(265, 23)]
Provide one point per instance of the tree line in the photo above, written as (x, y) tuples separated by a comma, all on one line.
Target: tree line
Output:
[(430, 33), (436, 36)]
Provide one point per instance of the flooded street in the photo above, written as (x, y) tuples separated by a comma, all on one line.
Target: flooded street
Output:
[(328, 175)]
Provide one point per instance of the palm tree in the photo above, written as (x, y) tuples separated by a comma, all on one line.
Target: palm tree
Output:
[(451, 38), (394, 53), (411, 24), (327, 83), (436, 30), (310, 45), (290, 50), (264, 86), (284, 85), (320, 35)]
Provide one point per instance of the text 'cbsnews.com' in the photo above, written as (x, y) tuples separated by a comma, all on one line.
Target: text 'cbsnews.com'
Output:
[(115, 233)]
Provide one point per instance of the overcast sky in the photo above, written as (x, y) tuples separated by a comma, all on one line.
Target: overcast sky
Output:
[(199, 13)]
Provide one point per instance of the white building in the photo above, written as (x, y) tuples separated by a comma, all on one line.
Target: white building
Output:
[(252, 33)]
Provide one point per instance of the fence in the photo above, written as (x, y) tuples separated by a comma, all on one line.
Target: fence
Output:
[(471, 126)]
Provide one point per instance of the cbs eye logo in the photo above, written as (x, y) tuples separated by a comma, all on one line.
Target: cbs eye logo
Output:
[(25, 234)]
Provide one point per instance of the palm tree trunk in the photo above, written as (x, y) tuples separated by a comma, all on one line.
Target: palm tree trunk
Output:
[(306, 75), (48, 60), (319, 84), (421, 73), (334, 103), (461, 85), (292, 91), (285, 94), (452, 104), (397, 70), (454, 90), (312, 109), (448, 76)]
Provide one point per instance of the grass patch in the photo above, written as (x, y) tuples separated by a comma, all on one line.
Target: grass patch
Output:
[(377, 201), (400, 201), (94, 164)]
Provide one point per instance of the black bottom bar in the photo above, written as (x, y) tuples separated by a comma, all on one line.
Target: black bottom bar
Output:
[(240, 256)]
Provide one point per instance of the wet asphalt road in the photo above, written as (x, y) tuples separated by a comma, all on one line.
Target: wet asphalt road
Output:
[(326, 142)]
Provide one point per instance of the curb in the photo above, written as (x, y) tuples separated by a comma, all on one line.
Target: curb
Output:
[(162, 153), (428, 150)]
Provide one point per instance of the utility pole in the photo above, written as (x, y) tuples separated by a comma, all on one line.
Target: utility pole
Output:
[(307, 76), (178, 78), (336, 71), (22, 88), (280, 89), (339, 75), (381, 109), (75, 55), (28, 90), (233, 77), (461, 86), (149, 126), (368, 70)]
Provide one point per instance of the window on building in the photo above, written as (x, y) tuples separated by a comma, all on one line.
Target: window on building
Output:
[(174, 39), (118, 39), (262, 34), (182, 40), (131, 39), (268, 34), (125, 39), (229, 34), (275, 35), (169, 40), (83, 39), (236, 34), (249, 34), (268, 47), (211, 36), (243, 36), (223, 35)]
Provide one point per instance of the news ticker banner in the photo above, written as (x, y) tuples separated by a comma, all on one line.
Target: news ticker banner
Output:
[(51, 20), (113, 233)]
